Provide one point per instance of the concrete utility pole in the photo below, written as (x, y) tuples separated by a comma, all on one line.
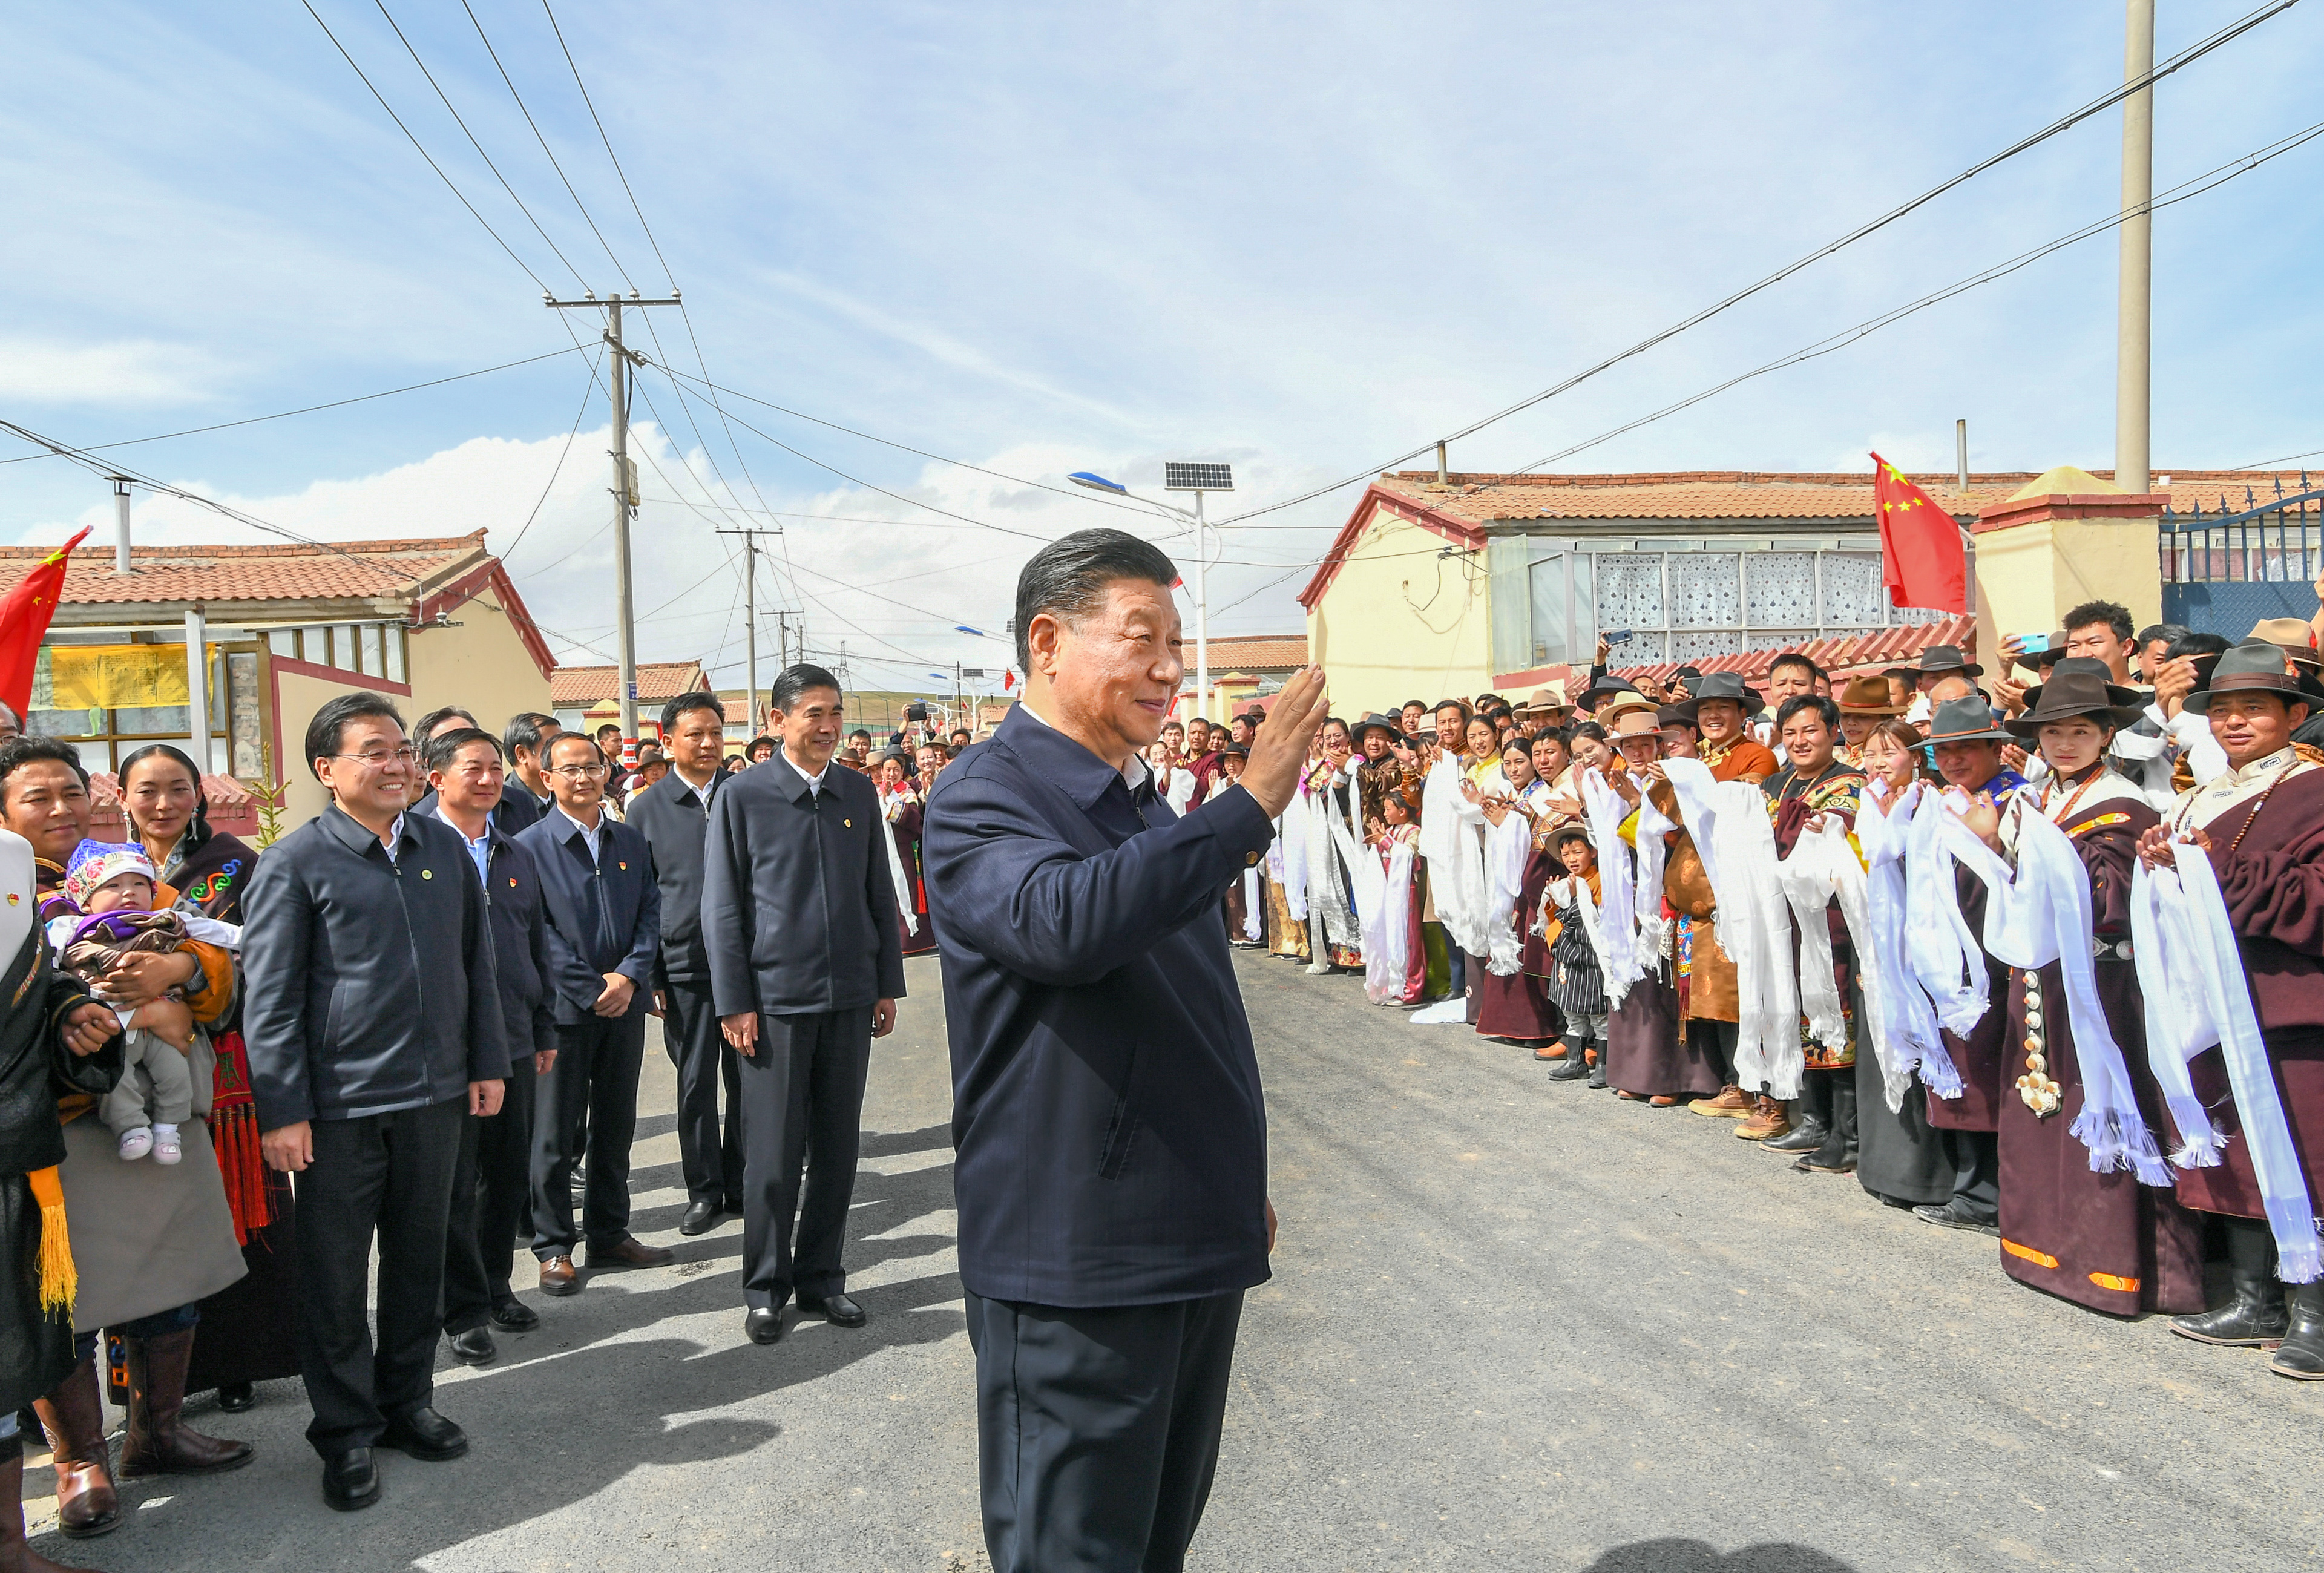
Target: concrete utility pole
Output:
[(1201, 617), (625, 496), (120, 523), (2134, 332), (751, 606)]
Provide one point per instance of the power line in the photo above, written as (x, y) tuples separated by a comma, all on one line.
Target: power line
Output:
[(563, 454), (2164, 68)]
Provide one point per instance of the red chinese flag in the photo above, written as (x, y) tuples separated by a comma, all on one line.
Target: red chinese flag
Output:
[(1920, 557), (25, 623)]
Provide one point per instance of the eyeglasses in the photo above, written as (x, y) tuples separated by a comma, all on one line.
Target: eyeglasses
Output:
[(403, 755), (578, 771)]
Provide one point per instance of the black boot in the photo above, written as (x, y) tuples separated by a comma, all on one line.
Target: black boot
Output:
[(1837, 1154), (2302, 1354), (1573, 1066), (1598, 1069), (1804, 1137), (2255, 1314)]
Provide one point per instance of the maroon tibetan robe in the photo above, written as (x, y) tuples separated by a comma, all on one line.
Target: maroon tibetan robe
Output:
[(1978, 1056), (1517, 1006)]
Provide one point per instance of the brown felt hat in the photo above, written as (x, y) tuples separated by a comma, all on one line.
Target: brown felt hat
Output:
[(1867, 696)]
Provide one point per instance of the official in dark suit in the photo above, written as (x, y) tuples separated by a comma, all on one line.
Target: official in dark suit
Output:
[(525, 797), (1111, 1138), (373, 1025), (798, 919), (673, 816), (492, 1188), (604, 932)]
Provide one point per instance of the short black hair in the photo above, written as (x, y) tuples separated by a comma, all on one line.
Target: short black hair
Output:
[(603, 728), (2165, 632), (22, 750), (859, 732), (961, 732), (1822, 706), (329, 726), (1420, 705), (1795, 658), (1461, 705), (437, 717), (685, 705), (442, 750), (2113, 615), (526, 728), (550, 748), (794, 680), (1066, 578), (2189, 643)]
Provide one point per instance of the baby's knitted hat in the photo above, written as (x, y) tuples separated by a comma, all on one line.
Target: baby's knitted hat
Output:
[(94, 863)]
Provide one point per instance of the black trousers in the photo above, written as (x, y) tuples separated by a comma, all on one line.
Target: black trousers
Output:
[(590, 1094), (491, 1199), (1098, 1430), (1977, 1173), (709, 1150), (802, 1110), (1716, 1041), (389, 1175)]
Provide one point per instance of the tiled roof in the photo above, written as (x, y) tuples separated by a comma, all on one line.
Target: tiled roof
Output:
[(1883, 647), (1482, 499), (658, 681), (1254, 653), (371, 569)]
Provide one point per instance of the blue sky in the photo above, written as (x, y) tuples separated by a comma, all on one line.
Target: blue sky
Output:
[(1300, 237)]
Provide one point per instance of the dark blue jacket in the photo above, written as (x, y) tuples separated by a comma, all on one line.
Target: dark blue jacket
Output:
[(799, 913), (1106, 1105), (368, 983), (520, 964), (675, 823), (624, 934)]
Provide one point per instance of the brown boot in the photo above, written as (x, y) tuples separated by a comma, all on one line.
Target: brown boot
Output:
[(1769, 1119), (15, 1556), (156, 1441), (1731, 1104), (74, 1417)]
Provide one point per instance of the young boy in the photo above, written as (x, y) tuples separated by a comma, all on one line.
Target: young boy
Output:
[(1576, 985), (112, 889)]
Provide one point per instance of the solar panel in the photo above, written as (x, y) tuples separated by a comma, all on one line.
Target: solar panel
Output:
[(1197, 477)]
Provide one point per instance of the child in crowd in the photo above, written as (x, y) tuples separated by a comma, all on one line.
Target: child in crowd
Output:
[(1576, 987), (112, 890)]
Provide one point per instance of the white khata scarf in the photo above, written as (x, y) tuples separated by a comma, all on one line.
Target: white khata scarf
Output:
[(1728, 822), (1648, 905), (1387, 943), (1905, 1031), (1507, 846), (1943, 953), (1450, 840), (1613, 928), (1327, 899), (889, 808), (2191, 970), (1807, 877), (2041, 915), (1288, 859)]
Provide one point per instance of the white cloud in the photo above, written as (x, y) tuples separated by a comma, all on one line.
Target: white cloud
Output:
[(132, 373)]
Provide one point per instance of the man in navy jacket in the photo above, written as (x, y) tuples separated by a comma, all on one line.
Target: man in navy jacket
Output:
[(604, 932), (373, 1023), (491, 1194), (1111, 1136), (806, 964)]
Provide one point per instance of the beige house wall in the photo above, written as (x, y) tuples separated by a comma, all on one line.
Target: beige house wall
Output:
[(2028, 575), (1400, 623)]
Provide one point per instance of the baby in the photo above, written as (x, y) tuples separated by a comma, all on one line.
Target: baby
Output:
[(112, 887)]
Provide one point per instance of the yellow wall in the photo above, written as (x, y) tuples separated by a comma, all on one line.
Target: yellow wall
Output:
[(2028, 575), (1398, 623)]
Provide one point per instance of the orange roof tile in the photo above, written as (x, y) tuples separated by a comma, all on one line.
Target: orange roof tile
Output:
[(1881, 648), (658, 681), (215, 575), (1256, 652)]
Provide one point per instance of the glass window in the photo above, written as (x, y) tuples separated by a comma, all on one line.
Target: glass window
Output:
[(395, 655), (1705, 592), (315, 646), (1782, 589), (1631, 592), (343, 647), (375, 656), (283, 643), (1546, 586), (1853, 595)]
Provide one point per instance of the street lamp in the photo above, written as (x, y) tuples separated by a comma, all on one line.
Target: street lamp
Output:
[(1184, 477)]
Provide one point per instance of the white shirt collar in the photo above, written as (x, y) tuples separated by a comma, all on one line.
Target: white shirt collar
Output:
[(815, 782), (1133, 775), (702, 793), (586, 832), (471, 840)]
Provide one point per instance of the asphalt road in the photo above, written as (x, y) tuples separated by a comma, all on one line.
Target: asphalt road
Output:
[(1512, 1324)]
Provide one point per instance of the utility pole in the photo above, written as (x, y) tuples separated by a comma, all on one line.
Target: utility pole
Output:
[(2133, 330), (625, 493), (1202, 618), (120, 523), (750, 605)]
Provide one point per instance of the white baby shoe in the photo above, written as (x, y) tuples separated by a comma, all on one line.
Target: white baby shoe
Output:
[(137, 1142), (166, 1149)]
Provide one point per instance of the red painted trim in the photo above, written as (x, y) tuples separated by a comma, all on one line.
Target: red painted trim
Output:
[(2017, 510), (353, 679), (464, 590), (1458, 531)]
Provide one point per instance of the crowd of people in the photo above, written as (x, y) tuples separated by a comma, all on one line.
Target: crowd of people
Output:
[(2034, 954), (417, 1020)]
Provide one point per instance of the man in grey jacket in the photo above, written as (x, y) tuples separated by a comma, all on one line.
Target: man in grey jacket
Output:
[(373, 1025)]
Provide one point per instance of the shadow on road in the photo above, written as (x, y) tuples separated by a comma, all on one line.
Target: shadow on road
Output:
[(1679, 1556)]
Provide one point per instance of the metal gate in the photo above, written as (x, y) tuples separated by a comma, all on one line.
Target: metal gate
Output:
[(2224, 573)]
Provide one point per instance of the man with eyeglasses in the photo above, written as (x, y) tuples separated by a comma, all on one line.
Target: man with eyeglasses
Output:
[(604, 932), (374, 1029)]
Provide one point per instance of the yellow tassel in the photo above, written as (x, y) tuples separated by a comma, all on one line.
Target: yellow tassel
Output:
[(59, 1280)]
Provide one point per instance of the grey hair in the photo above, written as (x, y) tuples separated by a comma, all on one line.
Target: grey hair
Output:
[(1066, 578)]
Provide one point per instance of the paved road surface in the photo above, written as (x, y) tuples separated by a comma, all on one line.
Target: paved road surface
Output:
[(1512, 1324)]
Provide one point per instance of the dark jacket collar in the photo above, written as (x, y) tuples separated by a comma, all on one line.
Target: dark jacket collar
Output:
[(355, 836), (564, 828), (789, 781), (1082, 775), (674, 786)]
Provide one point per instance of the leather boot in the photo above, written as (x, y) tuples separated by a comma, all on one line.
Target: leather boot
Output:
[(2254, 1316), (73, 1415), (1804, 1137), (157, 1442), (1573, 1068), (1837, 1153), (2302, 1354), (1768, 1118), (16, 1555)]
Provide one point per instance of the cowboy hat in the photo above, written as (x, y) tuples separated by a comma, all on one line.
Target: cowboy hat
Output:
[(1867, 696), (1574, 831), (1392, 725), (2290, 636), (1603, 686), (2077, 691), (1548, 697), (2255, 666), (1614, 712), (1966, 720), (1722, 685), (1944, 658)]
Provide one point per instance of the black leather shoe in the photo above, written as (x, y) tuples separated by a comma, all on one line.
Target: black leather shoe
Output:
[(838, 1310), (235, 1397), (1804, 1137), (514, 1315), (474, 1346), (351, 1480), (1571, 1068), (763, 1326), (699, 1219), (2302, 1357), (1949, 1215), (425, 1434)]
